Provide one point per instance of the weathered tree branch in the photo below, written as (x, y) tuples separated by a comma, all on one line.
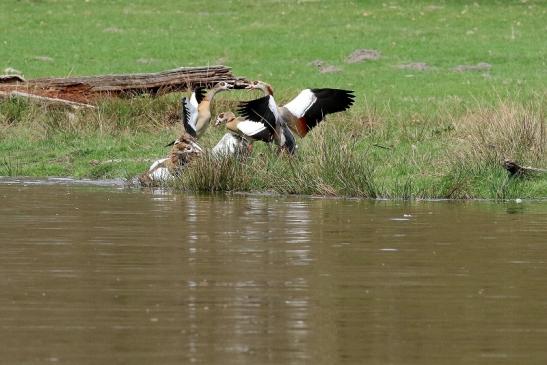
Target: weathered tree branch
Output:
[(86, 89), (44, 99)]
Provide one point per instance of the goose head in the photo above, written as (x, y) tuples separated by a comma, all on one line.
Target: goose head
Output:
[(183, 152), (187, 144), (261, 85), (223, 118), (223, 85)]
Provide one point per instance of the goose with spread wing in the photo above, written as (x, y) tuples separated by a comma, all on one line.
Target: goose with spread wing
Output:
[(260, 120), (303, 112)]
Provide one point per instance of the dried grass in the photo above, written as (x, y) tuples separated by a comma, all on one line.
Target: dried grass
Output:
[(331, 164), (508, 131)]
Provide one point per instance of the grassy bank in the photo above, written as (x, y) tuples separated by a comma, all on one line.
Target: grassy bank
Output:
[(457, 87), (375, 153)]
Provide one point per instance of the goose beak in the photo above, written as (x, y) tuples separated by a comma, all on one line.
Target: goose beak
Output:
[(196, 146)]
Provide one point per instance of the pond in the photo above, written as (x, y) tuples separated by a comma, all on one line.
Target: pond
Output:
[(108, 275)]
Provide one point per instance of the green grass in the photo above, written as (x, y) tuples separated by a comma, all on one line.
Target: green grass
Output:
[(434, 123), (276, 41)]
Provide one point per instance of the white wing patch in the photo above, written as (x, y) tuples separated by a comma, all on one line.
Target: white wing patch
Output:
[(157, 163), (300, 105), (158, 172), (228, 145), (192, 107), (273, 107), (250, 128)]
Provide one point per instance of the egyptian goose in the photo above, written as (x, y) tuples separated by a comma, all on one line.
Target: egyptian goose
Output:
[(185, 147), (196, 111), (183, 151), (307, 109), (247, 129), (261, 121)]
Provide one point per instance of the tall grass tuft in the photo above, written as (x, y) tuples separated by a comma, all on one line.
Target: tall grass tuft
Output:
[(329, 164), (336, 165), (508, 131), (483, 139), (112, 116), (10, 166), (210, 174)]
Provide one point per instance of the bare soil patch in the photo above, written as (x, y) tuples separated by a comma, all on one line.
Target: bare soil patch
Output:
[(323, 67), (479, 67), (360, 55), (419, 66)]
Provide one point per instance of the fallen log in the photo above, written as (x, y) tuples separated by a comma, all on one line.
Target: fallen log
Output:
[(515, 169), (87, 89), (44, 100)]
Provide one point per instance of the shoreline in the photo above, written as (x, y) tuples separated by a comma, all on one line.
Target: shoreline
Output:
[(124, 184)]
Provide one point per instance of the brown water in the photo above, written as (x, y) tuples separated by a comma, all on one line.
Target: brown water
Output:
[(94, 275)]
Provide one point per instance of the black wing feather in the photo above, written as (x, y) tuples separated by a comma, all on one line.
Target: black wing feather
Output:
[(258, 110), (290, 142), (328, 101), (200, 93)]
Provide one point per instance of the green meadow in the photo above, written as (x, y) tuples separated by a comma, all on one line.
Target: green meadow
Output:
[(455, 88)]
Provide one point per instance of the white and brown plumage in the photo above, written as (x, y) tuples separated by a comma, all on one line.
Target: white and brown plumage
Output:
[(247, 129), (302, 113), (189, 110), (265, 111), (196, 111), (184, 149)]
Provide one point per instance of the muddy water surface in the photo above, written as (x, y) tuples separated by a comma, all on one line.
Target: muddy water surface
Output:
[(105, 275)]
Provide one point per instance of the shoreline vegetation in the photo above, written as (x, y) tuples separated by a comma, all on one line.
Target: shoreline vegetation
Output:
[(369, 153), (445, 92)]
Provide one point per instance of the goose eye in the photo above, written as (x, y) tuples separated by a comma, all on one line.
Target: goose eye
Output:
[(221, 115), (255, 82)]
